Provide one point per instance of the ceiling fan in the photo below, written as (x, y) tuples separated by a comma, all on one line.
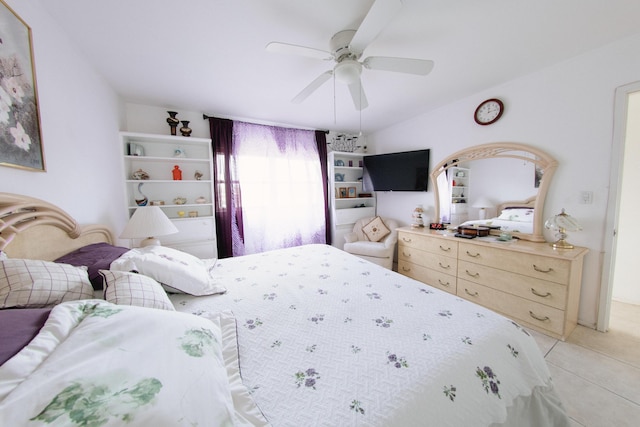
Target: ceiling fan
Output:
[(347, 47)]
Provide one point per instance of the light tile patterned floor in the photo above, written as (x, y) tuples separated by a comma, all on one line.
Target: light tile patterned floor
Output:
[(598, 374)]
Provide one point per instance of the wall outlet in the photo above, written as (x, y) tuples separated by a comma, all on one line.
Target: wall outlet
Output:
[(586, 197)]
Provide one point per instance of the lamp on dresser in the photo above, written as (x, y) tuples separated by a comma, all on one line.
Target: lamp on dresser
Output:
[(482, 203), (146, 223), (562, 223)]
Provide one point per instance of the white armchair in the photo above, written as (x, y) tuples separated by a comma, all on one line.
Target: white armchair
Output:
[(381, 252)]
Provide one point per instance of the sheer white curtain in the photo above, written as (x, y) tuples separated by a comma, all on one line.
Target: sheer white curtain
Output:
[(445, 198), (280, 180)]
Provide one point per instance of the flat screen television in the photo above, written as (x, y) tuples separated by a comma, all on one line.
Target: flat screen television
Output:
[(404, 171)]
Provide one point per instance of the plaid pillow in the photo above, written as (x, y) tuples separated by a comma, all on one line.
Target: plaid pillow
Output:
[(34, 283), (123, 288)]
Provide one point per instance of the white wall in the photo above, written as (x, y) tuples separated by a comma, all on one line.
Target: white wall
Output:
[(626, 287), (565, 110), (80, 116)]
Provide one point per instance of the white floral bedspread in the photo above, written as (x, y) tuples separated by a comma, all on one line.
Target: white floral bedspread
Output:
[(98, 364), (327, 339)]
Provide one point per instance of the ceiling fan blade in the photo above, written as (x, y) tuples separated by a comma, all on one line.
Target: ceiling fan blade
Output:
[(358, 96), (319, 81), (380, 14), (293, 49), (421, 67)]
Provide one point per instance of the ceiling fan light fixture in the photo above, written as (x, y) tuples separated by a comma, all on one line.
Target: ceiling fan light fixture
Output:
[(348, 71)]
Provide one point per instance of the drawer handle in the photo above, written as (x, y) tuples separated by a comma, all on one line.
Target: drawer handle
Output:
[(542, 319), (475, 294), (405, 239), (447, 284), (536, 268), (406, 254), (474, 256), (538, 294), (444, 266), (445, 249), (405, 268), (472, 274)]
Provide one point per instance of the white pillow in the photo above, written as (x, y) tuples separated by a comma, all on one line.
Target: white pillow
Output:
[(517, 214), (35, 283), (125, 288), (177, 271)]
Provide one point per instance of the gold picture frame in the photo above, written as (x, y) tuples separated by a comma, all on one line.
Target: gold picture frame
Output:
[(20, 131)]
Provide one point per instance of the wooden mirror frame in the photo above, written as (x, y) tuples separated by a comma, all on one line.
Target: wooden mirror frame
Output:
[(497, 150)]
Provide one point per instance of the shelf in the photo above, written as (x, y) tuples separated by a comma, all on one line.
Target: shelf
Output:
[(165, 159), (166, 181), (145, 137)]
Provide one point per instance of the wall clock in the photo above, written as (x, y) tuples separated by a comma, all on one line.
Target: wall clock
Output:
[(488, 111)]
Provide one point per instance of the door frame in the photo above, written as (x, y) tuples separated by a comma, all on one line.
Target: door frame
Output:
[(620, 116)]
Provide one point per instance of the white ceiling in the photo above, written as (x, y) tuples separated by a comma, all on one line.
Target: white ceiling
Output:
[(209, 55)]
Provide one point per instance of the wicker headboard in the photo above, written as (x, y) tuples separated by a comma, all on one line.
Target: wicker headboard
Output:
[(34, 229)]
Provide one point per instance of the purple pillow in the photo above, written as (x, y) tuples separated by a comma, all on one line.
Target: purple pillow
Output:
[(19, 327), (97, 256)]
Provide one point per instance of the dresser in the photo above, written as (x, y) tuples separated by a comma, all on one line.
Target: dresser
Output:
[(531, 283)]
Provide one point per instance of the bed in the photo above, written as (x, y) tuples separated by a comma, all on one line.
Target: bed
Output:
[(515, 217), (304, 336)]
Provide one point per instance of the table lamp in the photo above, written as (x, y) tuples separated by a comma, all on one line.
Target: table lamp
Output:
[(147, 222), (562, 223)]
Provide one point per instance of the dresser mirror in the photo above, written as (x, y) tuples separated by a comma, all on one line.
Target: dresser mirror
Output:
[(493, 168)]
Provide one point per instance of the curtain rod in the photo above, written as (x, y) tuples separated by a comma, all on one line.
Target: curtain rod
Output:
[(206, 117)]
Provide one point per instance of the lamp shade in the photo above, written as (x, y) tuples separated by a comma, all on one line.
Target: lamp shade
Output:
[(482, 203), (147, 222)]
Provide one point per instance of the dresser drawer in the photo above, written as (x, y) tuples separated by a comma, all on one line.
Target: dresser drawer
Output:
[(531, 288), (437, 279), (442, 263), (430, 244), (541, 267), (522, 310)]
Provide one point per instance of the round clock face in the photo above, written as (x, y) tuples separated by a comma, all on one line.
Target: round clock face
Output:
[(488, 111)]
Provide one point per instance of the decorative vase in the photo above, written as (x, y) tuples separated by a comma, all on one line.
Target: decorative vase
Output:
[(177, 173), (139, 197), (173, 121), (185, 130)]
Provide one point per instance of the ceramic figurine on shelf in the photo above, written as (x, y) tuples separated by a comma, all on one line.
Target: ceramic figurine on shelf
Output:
[(173, 121), (177, 173), (140, 175), (139, 197), (198, 175)]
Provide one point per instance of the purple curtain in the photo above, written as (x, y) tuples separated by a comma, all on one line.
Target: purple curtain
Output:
[(271, 187), (225, 214), (321, 142)]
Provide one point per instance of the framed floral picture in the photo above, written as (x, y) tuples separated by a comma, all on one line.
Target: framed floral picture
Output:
[(351, 192), (20, 135)]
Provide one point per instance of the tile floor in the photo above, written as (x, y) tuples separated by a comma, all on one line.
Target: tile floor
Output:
[(597, 374)]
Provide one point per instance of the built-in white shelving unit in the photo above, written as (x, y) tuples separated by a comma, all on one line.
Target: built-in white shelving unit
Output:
[(157, 155), (346, 199)]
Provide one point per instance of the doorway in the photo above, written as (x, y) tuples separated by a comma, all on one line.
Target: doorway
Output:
[(619, 281)]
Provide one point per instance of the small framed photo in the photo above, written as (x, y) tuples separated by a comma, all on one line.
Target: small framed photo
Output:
[(351, 192), (342, 192)]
